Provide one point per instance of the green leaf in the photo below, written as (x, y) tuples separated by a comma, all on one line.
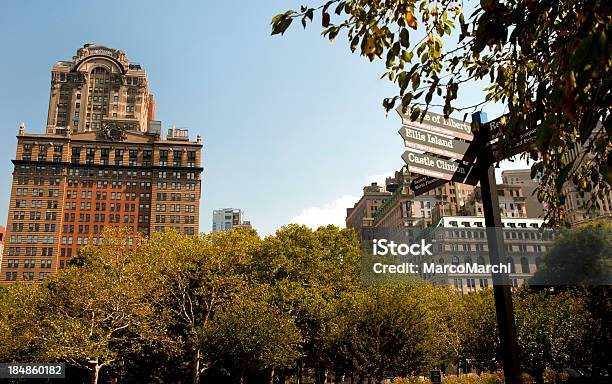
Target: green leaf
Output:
[(416, 111), (404, 38), (281, 26), (325, 20)]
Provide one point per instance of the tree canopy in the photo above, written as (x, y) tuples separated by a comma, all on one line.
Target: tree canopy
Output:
[(548, 62), (234, 308)]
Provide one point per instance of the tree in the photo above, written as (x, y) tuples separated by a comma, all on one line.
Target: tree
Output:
[(579, 256), (252, 335), (547, 61), (103, 307), (387, 330), (552, 331), (580, 261), (88, 315), (19, 328), (308, 272), (479, 336), (195, 277)]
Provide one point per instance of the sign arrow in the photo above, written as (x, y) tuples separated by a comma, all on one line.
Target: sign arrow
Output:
[(436, 167), (508, 146), (422, 184), (436, 123), (431, 142)]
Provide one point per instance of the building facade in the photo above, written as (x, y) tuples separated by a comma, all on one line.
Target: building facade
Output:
[(511, 202), (69, 185), (227, 218), (97, 87), (522, 177), (361, 216), (463, 240), (577, 205)]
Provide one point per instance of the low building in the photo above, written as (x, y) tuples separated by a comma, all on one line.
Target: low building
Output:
[(227, 218), (511, 202), (463, 240), (522, 177)]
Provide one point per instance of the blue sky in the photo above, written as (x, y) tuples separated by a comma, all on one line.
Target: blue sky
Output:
[(293, 126)]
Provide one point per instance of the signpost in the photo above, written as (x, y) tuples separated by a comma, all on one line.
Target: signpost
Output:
[(437, 136), (501, 287), (423, 184), (508, 145), (435, 376)]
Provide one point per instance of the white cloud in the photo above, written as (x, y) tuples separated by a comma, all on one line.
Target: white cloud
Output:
[(331, 213), (335, 212)]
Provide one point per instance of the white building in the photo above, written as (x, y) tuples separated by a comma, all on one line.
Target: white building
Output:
[(462, 240), (227, 218)]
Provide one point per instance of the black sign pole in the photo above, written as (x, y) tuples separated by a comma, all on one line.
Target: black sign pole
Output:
[(501, 283)]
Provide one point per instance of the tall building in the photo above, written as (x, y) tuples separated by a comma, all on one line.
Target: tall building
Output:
[(228, 218), (99, 87), (361, 216), (511, 202), (70, 184), (522, 177), (576, 204), (2, 233)]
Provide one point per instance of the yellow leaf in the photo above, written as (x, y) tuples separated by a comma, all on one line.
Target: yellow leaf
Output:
[(411, 20), (370, 46)]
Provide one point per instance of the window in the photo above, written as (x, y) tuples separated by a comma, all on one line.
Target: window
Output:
[(525, 265), (510, 261)]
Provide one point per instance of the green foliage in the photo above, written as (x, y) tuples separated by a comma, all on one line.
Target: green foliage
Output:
[(479, 335), (484, 378), (231, 307), (553, 331), (580, 256), (548, 61), (385, 330), (252, 334)]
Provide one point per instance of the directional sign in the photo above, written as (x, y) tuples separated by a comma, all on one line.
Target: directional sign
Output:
[(508, 146), (496, 127), (504, 149), (433, 122), (436, 167), (435, 376), (431, 142), (422, 184)]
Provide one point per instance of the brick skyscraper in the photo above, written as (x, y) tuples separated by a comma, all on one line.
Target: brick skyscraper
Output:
[(101, 163)]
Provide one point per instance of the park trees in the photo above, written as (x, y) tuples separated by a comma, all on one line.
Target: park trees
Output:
[(479, 336), (580, 262), (90, 314), (547, 61), (553, 329), (308, 272), (195, 277), (387, 331), (242, 309), (251, 336)]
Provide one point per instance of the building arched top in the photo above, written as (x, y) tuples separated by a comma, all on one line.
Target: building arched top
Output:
[(92, 52), (111, 60)]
